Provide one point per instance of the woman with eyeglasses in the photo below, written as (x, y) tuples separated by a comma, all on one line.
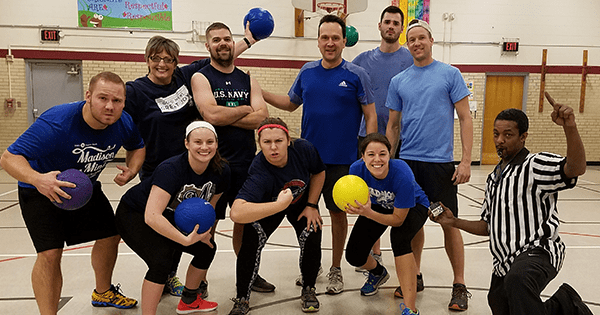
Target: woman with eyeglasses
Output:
[(161, 106)]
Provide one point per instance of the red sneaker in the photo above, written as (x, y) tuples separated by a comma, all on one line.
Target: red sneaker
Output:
[(199, 305)]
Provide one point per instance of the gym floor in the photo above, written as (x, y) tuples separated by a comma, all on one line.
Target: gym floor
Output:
[(580, 231)]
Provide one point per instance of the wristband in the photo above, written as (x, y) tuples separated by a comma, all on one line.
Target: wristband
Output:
[(247, 42), (312, 205)]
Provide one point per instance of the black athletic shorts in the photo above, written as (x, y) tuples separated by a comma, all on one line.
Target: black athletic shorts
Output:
[(238, 177), (332, 174), (51, 227), (436, 181)]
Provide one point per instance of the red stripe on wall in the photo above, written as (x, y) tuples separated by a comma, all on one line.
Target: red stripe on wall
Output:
[(274, 63)]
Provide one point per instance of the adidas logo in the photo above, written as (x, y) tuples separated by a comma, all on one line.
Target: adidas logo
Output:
[(343, 84)]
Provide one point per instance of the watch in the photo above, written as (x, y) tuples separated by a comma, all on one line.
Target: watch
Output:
[(247, 42), (312, 205)]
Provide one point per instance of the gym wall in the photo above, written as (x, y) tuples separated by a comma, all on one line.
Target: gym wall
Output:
[(471, 42)]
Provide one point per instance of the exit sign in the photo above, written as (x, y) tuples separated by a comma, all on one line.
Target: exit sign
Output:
[(510, 46), (50, 35)]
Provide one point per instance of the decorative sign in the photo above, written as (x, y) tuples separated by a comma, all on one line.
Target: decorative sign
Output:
[(49, 36), (146, 14), (413, 9)]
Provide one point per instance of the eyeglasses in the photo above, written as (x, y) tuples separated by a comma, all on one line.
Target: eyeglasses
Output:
[(157, 59)]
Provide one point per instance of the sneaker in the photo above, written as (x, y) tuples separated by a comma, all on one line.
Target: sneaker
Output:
[(199, 305), (203, 289), (173, 286), (377, 257), (336, 281), (299, 279), (460, 297), (240, 307), (420, 287), (309, 300), (113, 297), (580, 307), (261, 285), (407, 311), (373, 282)]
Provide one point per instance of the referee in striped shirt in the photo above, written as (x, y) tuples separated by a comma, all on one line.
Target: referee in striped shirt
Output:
[(519, 215)]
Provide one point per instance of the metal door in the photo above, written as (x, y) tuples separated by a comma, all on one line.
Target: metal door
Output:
[(51, 83)]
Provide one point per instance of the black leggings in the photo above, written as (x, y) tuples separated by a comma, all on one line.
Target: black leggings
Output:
[(255, 238), (366, 232), (156, 250)]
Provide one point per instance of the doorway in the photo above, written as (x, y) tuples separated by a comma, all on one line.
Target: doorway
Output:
[(502, 91), (51, 83)]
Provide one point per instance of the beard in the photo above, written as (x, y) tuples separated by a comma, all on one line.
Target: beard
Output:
[(388, 39), (222, 61)]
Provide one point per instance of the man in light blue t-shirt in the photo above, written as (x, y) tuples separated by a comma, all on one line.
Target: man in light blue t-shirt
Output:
[(427, 94), (383, 63), (334, 94)]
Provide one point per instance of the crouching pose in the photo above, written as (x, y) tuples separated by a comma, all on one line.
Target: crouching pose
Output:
[(284, 180), (396, 200), (145, 218), (519, 215)]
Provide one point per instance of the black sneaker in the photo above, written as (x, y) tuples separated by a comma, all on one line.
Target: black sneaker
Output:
[(203, 289), (460, 298), (580, 307), (240, 307), (261, 285), (420, 287), (309, 300)]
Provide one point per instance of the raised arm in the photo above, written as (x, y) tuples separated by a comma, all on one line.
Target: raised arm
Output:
[(257, 102), (18, 167), (564, 116), (241, 45), (280, 101), (392, 131), (133, 163), (463, 171), (207, 105)]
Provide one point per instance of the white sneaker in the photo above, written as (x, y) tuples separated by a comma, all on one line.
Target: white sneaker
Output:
[(299, 279), (336, 281)]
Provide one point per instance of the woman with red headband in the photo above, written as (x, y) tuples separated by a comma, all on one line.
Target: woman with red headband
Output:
[(284, 180)]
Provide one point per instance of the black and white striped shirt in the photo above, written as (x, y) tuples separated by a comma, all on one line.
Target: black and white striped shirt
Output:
[(520, 208)]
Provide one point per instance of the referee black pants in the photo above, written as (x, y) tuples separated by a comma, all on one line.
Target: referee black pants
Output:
[(519, 291)]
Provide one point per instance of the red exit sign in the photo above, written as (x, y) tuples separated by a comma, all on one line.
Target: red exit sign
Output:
[(50, 35), (510, 46)]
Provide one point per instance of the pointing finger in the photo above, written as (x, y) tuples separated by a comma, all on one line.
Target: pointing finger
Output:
[(550, 99)]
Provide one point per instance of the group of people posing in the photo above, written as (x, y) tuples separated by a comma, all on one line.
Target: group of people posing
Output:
[(190, 131)]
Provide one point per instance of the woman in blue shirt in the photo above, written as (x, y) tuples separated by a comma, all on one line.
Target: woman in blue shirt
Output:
[(396, 200)]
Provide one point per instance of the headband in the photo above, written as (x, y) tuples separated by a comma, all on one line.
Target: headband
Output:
[(422, 24), (199, 124), (273, 126)]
